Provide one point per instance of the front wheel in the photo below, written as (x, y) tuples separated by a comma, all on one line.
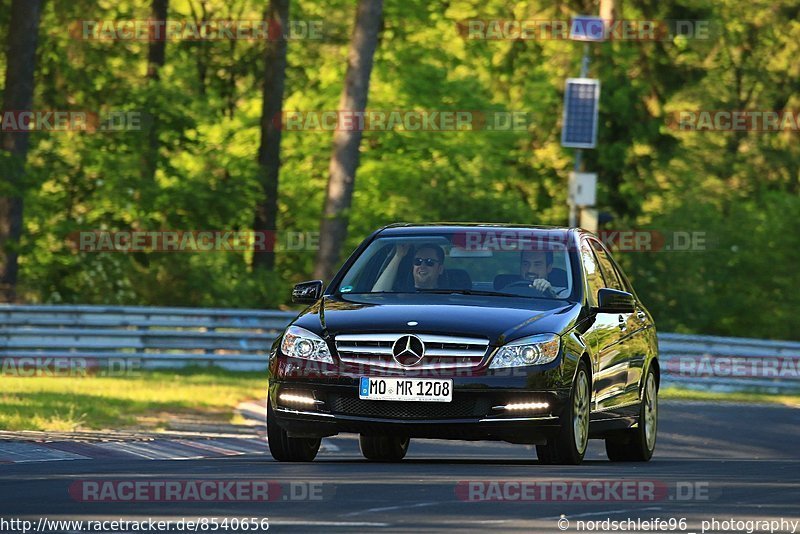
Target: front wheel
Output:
[(569, 446), (286, 449), (638, 444), (383, 448)]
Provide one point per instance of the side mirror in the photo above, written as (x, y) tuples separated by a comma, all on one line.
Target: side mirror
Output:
[(307, 292), (614, 301)]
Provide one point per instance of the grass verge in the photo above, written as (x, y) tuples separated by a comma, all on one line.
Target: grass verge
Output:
[(148, 400), (673, 393), (143, 401)]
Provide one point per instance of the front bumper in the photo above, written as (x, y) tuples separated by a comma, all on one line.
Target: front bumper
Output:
[(473, 414)]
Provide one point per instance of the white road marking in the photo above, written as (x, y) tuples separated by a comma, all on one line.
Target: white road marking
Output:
[(390, 508), (24, 452)]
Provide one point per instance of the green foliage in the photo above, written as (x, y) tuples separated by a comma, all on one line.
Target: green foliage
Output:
[(741, 189), (741, 280)]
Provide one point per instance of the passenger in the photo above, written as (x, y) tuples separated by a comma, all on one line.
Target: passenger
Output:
[(427, 267)]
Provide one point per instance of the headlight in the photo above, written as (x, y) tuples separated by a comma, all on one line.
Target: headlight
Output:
[(533, 350), (300, 343)]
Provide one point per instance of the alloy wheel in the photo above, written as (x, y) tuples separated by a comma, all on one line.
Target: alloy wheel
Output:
[(580, 412)]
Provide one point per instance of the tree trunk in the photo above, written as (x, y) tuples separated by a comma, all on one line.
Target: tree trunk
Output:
[(201, 50), (345, 156), (156, 59), (21, 65), (609, 10), (157, 52), (269, 163)]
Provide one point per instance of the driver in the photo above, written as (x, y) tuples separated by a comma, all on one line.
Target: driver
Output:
[(535, 266)]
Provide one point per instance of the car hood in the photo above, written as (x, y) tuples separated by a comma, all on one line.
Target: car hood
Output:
[(500, 319)]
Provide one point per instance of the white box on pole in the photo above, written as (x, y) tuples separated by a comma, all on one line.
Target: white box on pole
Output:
[(583, 188)]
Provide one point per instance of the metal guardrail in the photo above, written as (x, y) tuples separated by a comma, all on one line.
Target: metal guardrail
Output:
[(241, 339), (729, 363), (160, 337)]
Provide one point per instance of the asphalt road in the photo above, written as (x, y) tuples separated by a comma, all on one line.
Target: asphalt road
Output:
[(722, 462)]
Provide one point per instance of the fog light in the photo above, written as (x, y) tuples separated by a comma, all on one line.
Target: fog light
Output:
[(293, 398), (524, 406)]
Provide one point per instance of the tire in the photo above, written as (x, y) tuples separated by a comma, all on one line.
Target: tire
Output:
[(383, 448), (286, 449), (568, 447), (638, 444)]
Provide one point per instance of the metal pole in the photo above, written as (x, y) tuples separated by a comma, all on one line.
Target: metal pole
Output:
[(573, 209), (585, 61)]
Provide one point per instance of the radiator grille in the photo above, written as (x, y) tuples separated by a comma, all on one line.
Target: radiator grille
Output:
[(441, 352)]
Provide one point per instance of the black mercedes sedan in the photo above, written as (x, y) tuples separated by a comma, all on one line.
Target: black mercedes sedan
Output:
[(530, 335)]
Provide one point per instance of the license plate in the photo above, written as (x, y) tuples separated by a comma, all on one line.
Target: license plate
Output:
[(405, 389)]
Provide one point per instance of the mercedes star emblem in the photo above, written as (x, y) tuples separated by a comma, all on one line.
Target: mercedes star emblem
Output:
[(408, 350)]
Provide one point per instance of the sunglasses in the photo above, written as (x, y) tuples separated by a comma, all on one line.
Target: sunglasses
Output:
[(430, 262)]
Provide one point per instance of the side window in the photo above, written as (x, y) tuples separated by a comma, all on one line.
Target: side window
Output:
[(593, 277), (368, 266), (609, 273), (626, 285)]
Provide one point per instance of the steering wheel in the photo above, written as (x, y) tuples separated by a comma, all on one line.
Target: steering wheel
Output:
[(527, 285)]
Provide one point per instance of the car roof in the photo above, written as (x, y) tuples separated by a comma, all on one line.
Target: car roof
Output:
[(434, 228)]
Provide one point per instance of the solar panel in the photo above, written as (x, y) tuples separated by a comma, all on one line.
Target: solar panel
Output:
[(581, 100)]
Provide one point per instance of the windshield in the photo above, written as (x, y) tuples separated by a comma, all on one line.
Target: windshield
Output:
[(502, 264)]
